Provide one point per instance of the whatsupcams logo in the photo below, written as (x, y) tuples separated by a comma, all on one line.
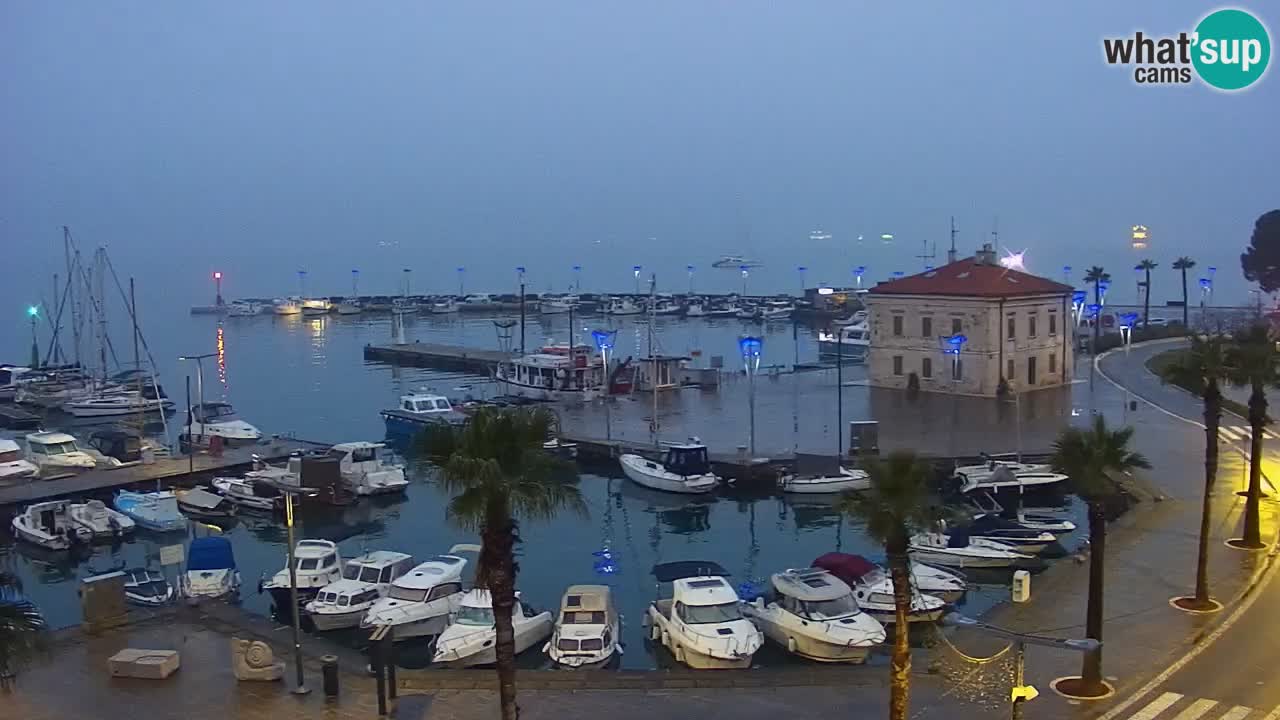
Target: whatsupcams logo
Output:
[(1228, 50)]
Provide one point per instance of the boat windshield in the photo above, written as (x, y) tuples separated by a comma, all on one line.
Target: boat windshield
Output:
[(407, 594), (153, 588), (11, 456), (61, 448), (829, 609), (361, 573), (701, 614), (474, 616), (219, 412)]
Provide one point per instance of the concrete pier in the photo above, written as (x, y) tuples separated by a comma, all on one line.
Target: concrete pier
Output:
[(432, 355)]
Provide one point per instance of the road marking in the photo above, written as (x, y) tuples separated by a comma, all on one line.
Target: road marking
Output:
[(1196, 709), (1157, 706), (1229, 433), (1273, 715), (1268, 434), (1236, 713)]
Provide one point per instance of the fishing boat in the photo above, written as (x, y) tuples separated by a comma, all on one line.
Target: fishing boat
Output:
[(622, 306), (318, 563), (56, 453), (419, 410), (873, 589), (13, 468), (686, 468), (219, 419), (99, 520), (126, 402), (199, 503), (842, 481), (248, 494), (49, 525), (849, 343), (156, 511), (211, 570), (145, 587), (287, 306), (554, 373), (420, 602), (813, 614), (588, 631), (957, 549), (364, 471), (447, 306), (470, 639), (365, 580)]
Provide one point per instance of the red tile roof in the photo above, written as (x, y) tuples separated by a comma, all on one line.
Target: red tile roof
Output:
[(968, 278)]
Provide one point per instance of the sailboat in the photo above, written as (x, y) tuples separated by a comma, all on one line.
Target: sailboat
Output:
[(352, 305)]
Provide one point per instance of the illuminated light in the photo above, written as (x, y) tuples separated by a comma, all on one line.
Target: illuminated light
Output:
[(898, 273), (953, 344), (825, 291), (603, 339), (635, 270), (1127, 320), (750, 346), (1014, 260), (886, 238), (1079, 296), (217, 275), (860, 270), (1138, 237), (1093, 309), (33, 311), (1204, 283)]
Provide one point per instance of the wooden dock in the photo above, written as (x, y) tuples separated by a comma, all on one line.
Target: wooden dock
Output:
[(447, 357), (179, 471)]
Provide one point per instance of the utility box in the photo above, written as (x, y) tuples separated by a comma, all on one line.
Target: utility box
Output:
[(102, 602), (1021, 586)]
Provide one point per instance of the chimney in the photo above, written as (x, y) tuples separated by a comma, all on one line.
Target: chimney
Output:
[(985, 256)]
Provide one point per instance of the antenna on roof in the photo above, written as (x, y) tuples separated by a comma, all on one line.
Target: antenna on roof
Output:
[(995, 233), (951, 254), (926, 255)]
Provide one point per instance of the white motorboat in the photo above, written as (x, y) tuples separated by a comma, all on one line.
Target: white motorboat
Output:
[(695, 308), (480, 302), (557, 305), (156, 511), (685, 469), (702, 622), (365, 580), (873, 589), (554, 373), (1021, 538), (588, 633), (813, 614), (99, 520), (470, 638), (420, 602), (211, 570), (117, 403), (666, 306), (148, 588), (350, 306), (56, 453), (623, 306), (317, 563), (420, 410), (219, 419), (316, 307), (403, 306), (959, 550), (248, 494), (848, 343), (49, 525), (736, 262), (287, 306), (858, 318), (444, 307), (847, 480), (364, 471), (1045, 521), (776, 312), (13, 468), (244, 308), (726, 310)]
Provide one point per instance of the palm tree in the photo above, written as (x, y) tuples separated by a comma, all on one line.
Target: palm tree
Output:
[(898, 504), (1098, 277), (1089, 457), (1204, 367), (498, 474), (21, 626), (1253, 365), (1184, 264), (1147, 266)]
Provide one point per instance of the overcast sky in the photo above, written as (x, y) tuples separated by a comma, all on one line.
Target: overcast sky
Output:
[(260, 138)]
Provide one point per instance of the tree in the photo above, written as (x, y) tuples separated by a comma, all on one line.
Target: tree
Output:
[(1253, 365), (1147, 266), (22, 627), (898, 504), (1184, 264), (1204, 367), (1261, 261), (1099, 278), (1090, 457), (498, 473)]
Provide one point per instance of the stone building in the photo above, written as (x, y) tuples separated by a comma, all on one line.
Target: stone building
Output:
[(1016, 327)]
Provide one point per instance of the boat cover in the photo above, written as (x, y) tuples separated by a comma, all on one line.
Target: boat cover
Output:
[(672, 571), (210, 553), (845, 566), (202, 499)]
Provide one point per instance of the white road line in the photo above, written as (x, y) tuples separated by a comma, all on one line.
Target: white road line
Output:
[(1273, 715), (1195, 710), (1227, 432), (1157, 706), (1236, 713), (1268, 435)]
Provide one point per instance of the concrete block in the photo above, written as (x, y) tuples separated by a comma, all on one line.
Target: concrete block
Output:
[(146, 664)]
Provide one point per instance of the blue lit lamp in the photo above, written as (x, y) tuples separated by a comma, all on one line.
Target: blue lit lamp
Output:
[(462, 274), (751, 346), (952, 346), (635, 272), (858, 272), (801, 270), (1103, 285), (604, 342), (745, 272), (577, 278), (690, 269), (1078, 300), (33, 312), (1127, 321)]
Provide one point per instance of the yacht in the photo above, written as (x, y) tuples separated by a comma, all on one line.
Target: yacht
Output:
[(56, 453), (813, 614), (666, 306), (156, 511), (199, 502), (956, 549), (1021, 538), (873, 589), (127, 402), (702, 623), (729, 309), (588, 632), (99, 520), (685, 469), (49, 525), (557, 305), (316, 307), (13, 467), (479, 302), (775, 310), (420, 602), (145, 587), (363, 470), (1045, 521), (365, 580), (623, 306), (350, 306), (444, 307), (469, 640), (244, 308), (287, 306), (850, 342), (219, 419), (696, 307), (419, 410), (554, 373), (317, 563), (211, 570), (403, 306), (248, 494), (843, 481), (1008, 480)]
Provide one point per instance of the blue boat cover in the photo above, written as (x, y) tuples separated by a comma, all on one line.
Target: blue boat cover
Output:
[(210, 553)]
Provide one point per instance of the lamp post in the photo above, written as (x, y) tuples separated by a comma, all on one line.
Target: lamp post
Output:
[(604, 342), (1066, 274), (750, 346), (952, 346), (33, 312), (1078, 298), (520, 277), (301, 687), (801, 270), (577, 278), (199, 359), (462, 285), (635, 272), (302, 284), (1127, 321), (217, 284), (1205, 284), (689, 269), (858, 272), (743, 268)]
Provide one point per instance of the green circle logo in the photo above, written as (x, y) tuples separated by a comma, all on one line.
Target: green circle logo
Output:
[(1231, 49)]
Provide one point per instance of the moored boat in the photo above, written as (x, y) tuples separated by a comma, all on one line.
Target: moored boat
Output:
[(49, 525), (685, 469), (588, 631), (813, 614), (317, 563), (156, 511), (420, 602), (211, 570), (873, 589), (145, 587), (100, 521), (470, 639), (365, 580), (956, 549)]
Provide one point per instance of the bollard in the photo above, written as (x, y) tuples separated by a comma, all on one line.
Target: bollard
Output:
[(329, 672)]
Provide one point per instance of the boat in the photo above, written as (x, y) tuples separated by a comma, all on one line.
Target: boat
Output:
[(956, 549), (557, 305), (365, 580), (316, 307), (403, 306), (248, 494), (813, 614), (350, 306), (145, 587), (588, 632), (562, 449), (702, 623), (420, 602), (857, 318), (470, 639), (554, 373), (56, 453), (685, 469), (1008, 480), (219, 419), (623, 306), (479, 302), (99, 520), (287, 306), (244, 308), (850, 342), (12, 377), (667, 306), (363, 470), (323, 478), (722, 310), (317, 563), (114, 447), (843, 481), (1044, 521), (13, 468), (199, 502), (735, 262), (49, 525), (947, 586), (776, 311), (748, 312), (444, 307), (419, 410), (156, 511), (873, 589), (695, 307), (1021, 538), (117, 403), (211, 570)]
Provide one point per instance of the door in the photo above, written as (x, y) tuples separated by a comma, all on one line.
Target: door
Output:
[(1031, 370)]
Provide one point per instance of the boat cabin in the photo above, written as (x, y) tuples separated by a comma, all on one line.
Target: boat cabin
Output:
[(687, 459), (437, 577), (555, 368), (352, 456), (814, 594), (9, 451), (668, 369), (116, 443), (425, 403), (213, 412), (379, 567)]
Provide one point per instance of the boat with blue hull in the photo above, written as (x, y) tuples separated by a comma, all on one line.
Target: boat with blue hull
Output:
[(156, 511), (418, 411)]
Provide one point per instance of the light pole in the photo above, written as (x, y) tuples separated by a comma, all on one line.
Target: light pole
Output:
[(462, 282), (750, 346), (1078, 298), (689, 269), (1066, 274), (801, 270), (520, 277), (952, 346), (1205, 284), (858, 272), (33, 312), (217, 284), (301, 687), (604, 342), (577, 278), (302, 284), (635, 272), (1127, 321), (199, 359)]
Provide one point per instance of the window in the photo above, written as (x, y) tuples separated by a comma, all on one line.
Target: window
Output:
[(700, 614), (1011, 370), (926, 367), (1031, 370), (957, 369), (444, 590), (1031, 326), (475, 616), (897, 364), (1012, 332), (385, 575), (926, 327), (308, 563), (897, 326), (329, 561), (1053, 323), (1053, 363), (956, 326), (407, 594), (344, 600)]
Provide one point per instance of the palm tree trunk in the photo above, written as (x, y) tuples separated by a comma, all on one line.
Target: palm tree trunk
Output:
[(1091, 672), (1185, 317), (900, 665), (1257, 420), (1146, 302), (1212, 418), (499, 546)]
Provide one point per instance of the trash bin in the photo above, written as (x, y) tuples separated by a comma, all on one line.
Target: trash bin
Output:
[(329, 671)]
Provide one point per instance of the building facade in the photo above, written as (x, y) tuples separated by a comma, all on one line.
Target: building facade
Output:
[(1016, 328)]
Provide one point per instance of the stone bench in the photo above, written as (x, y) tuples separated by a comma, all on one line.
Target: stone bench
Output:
[(146, 664)]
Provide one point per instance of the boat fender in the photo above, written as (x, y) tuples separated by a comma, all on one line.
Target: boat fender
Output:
[(679, 653), (791, 644), (655, 632), (666, 638)]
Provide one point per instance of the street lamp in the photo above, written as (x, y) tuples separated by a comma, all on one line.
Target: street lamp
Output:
[(1066, 274), (690, 269), (743, 268), (462, 287), (1127, 321), (577, 278), (520, 277), (952, 346), (217, 284), (801, 270), (1102, 291), (1078, 299), (635, 271), (288, 492), (604, 340), (302, 284), (1206, 286), (750, 346), (33, 312), (858, 272)]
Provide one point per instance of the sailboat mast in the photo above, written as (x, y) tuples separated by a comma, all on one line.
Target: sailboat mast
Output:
[(653, 359), (137, 356), (71, 289)]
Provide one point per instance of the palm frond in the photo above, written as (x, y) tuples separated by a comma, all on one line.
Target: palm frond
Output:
[(900, 500), (469, 509), (1090, 456), (22, 633)]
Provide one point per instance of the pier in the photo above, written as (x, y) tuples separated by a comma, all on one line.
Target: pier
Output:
[(432, 355)]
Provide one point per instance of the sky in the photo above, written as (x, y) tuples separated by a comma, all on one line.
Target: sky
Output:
[(258, 139)]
